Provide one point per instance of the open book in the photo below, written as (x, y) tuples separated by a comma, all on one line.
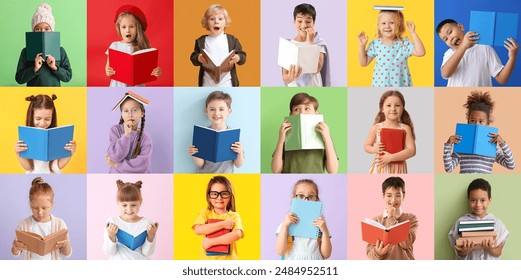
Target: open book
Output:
[(213, 145), (475, 140), (306, 212), (38, 244), (133, 68), (42, 42), (129, 240), (304, 56), (220, 249), (45, 144), (372, 231), (493, 27), (303, 134), (215, 68), (393, 139)]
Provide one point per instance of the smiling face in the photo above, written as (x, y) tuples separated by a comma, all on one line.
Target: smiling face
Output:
[(42, 118), (41, 206), (217, 112), (128, 210), (452, 34), (388, 25), (42, 27), (392, 108), (216, 23), (478, 117), (128, 29), (219, 204), (478, 202), (303, 22), (393, 197), (131, 112)]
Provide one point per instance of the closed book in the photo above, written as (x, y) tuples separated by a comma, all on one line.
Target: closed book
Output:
[(393, 139), (388, 8), (476, 240), (372, 231), (213, 145), (475, 140), (133, 95), (506, 27), (304, 56), (220, 249), (45, 144), (303, 134), (215, 68), (38, 244), (132, 242), (46, 43), (133, 68), (478, 233), (306, 211)]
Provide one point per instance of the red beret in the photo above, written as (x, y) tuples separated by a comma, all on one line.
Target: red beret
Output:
[(135, 11)]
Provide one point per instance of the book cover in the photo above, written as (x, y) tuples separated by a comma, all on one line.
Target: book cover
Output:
[(478, 233), (493, 28), (393, 139), (506, 27), (133, 95), (388, 8), (45, 144), (215, 68), (306, 57), (134, 68), (214, 145), (306, 212), (372, 231), (221, 249), (475, 140), (303, 134), (42, 42), (38, 244), (129, 240), (477, 240)]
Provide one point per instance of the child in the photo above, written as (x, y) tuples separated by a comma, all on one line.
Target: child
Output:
[(468, 64), (303, 248), (219, 45), (479, 111), (479, 194), (304, 161), (41, 201), (129, 202), (393, 193), (218, 108), (221, 206), (131, 25), (392, 114), (38, 73), (130, 148), (304, 16), (391, 69), (41, 113)]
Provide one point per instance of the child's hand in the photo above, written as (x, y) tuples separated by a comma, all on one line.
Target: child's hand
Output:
[(362, 39), (512, 47), (192, 150), (320, 223), (207, 243), (237, 148), (410, 26), (380, 249), (289, 219), (201, 59), (469, 40), (378, 148), (392, 211), (488, 245), (384, 158), (62, 244), (283, 129), (109, 71), (235, 59), (51, 61), (465, 248), (112, 229), (293, 73), (110, 162), (323, 129), (20, 146), (496, 138), (71, 146), (228, 223), (310, 35), (454, 139), (38, 62), (156, 72), (17, 247), (151, 231), (128, 125)]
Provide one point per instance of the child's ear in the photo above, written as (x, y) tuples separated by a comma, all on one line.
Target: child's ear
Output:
[(460, 26)]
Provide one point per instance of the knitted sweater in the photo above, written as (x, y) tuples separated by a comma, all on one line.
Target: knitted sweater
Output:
[(477, 163)]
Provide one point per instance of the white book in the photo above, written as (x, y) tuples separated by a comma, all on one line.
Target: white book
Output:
[(388, 8), (305, 56)]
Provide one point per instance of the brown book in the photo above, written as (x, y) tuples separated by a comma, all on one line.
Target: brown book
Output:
[(478, 233), (41, 245), (215, 68), (134, 96), (477, 240)]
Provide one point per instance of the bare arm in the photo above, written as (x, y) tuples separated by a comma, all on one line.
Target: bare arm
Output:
[(201, 229), (277, 163), (19, 147), (362, 51), (71, 146), (419, 49), (369, 144), (227, 238), (237, 147), (503, 75), (281, 244), (469, 40), (408, 152), (199, 162)]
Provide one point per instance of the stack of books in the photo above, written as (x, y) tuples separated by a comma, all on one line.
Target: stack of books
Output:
[(476, 231)]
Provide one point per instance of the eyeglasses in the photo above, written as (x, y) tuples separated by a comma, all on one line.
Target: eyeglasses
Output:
[(311, 197), (134, 111), (223, 194)]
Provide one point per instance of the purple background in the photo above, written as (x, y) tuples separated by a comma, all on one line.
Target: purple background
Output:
[(275, 202), (69, 205), (159, 124), (277, 21)]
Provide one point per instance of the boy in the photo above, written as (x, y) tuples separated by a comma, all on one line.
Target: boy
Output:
[(218, 108), (479, 194), (304, 20), (304, 161), (467, 63)]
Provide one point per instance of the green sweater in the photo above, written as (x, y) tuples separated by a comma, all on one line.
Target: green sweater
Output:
[(45, 76)]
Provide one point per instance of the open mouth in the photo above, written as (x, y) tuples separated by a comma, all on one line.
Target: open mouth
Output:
[(456, 41), (216, 28), (128, 36)]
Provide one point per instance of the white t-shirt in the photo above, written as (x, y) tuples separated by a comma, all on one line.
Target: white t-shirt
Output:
[(307, 79), (42, 229), (42, 167), (217, 47)]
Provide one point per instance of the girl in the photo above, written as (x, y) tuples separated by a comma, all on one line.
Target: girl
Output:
[(303, 248), (392, 115), (479, 111), (391, 68), (41, 201), (41, 113), (129, 201), (219, 45), (131, 25), (38, 73), (130, 147), (393, 193), (221, 207)]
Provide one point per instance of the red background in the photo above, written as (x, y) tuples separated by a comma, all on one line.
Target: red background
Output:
[(101, 32)]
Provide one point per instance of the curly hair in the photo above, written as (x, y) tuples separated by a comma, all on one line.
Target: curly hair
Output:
[(480, 101)]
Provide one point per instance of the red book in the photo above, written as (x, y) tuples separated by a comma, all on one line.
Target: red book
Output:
[(372, 231), (393, 139), (220, 249), (133, 68)]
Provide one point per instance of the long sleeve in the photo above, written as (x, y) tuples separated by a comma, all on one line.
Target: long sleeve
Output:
[(450, 160), (45, 76), (195, 54), (109, 248), (505, 157), (236, 45), (148, 248), (64, 72), (119, 144), (121, 148), (407, 244), (24, 71)]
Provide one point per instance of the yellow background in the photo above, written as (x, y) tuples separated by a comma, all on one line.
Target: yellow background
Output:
[(362, 17), (71, 108), (190, 198)]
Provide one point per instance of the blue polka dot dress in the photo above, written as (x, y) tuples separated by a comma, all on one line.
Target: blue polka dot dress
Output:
[(391, 68)]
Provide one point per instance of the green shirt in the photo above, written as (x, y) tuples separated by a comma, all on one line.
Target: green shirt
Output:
[(45, 76)]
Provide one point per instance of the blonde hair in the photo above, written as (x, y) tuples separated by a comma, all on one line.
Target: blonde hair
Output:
[(212, 10), (399, 22), (305, 181), (141, 39)]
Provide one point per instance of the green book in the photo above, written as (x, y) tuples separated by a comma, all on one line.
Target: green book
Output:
[(42, 42), (303, 134)]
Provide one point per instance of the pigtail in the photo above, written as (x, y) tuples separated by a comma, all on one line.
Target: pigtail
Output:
[(137, 151), (406, 119), (480, 101), (129, 191), (119, 183)]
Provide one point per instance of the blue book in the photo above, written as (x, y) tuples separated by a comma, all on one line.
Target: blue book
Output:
[(129, 240), (506, 26), (213, 145), (483, 23), (475, 140), (42, 42), (45, 144), (306, 212)]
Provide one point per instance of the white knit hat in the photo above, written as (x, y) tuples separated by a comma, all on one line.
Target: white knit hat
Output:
[(43, 14)]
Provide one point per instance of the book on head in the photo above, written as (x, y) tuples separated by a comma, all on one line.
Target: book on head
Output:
[(132, 242), (47, 43), (215, 68), (304, 56), (303, 134), (372, 231), (213, 145), (388, 8), (45, 144), (134, 68), (220, 249), (38, 244), (306, 211), (133, 95), (475, 140)]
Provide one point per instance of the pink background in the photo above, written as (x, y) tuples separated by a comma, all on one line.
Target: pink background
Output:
[(157, 192), (364, 200)]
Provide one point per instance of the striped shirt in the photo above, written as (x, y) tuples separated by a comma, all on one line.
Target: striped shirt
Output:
[(477, 163)]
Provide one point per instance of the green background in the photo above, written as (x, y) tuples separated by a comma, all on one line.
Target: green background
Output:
[(451, 202), (275, 107), (70, 19)]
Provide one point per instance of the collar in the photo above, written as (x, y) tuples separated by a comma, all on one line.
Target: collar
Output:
[(386, 215)]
